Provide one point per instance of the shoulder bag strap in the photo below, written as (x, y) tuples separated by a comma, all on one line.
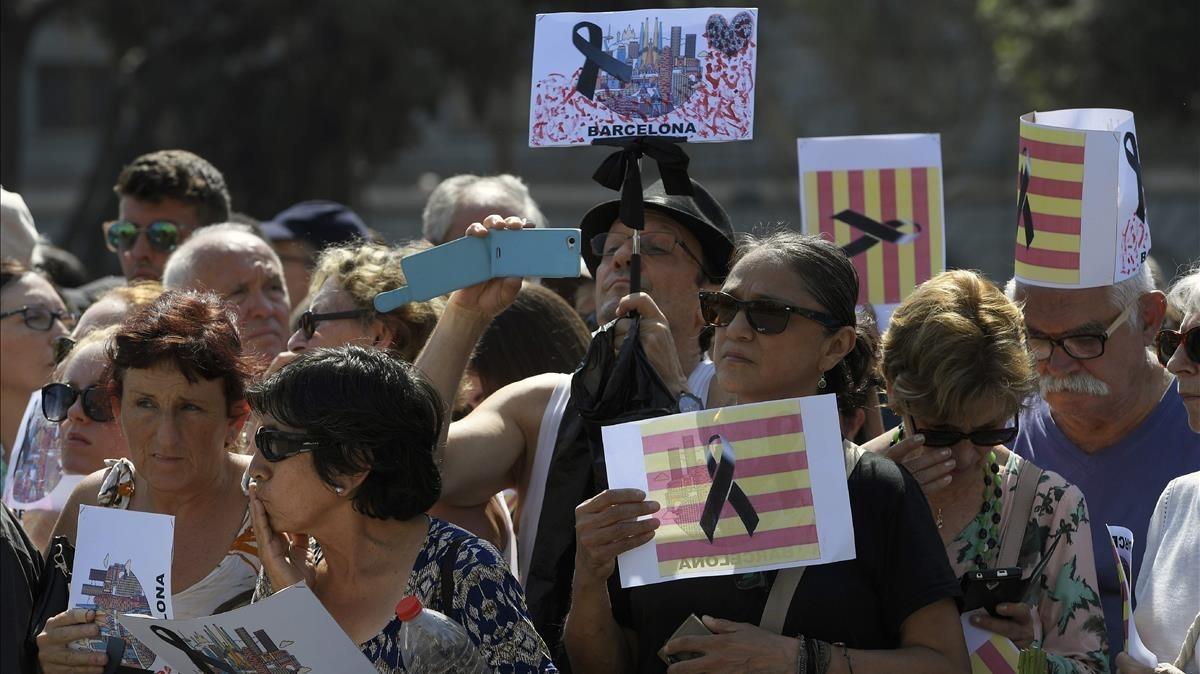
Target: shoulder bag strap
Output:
[(787, 580), (1018, 518), (447, 580)]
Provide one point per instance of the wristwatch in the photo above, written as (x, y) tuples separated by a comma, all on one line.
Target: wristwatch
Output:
[(689, 402)]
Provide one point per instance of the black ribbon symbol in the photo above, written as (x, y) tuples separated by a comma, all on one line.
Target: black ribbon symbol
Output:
[(622, 171), (592, 50), (1131, 155), (202, 662), (1023, 210), (725, 489), (874, 231)]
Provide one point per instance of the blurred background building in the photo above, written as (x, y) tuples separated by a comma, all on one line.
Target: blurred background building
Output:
[(372, 102)]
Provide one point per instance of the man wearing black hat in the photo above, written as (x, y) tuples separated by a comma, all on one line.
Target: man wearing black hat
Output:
[(521, 437), (300, 232)]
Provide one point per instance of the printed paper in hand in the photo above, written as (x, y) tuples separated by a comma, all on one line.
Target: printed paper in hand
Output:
[(655, 72), (290, 631), (35, 479), (743, 489), (122, 565), (880, 199), (1122, 547), (990, 652)]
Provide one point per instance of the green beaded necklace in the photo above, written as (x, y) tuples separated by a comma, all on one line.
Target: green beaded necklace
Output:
[(987, 522)]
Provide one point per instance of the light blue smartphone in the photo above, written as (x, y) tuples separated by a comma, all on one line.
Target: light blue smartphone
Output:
[(544, 252)]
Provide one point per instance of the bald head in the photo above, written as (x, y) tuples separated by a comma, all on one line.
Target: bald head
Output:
[(231, 261)]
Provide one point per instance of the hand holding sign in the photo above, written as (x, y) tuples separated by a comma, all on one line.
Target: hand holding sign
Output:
[(607, 525)]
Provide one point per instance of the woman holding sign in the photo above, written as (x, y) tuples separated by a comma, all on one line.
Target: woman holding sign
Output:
[(957, 370), (785, 328), (177, 384)]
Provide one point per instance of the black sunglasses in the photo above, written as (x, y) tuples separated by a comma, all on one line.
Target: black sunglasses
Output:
[(40, 318), (163, 235), (987, 437), (767, 317), (276, 445), (57, 400), (1167, 341), (309, 321)]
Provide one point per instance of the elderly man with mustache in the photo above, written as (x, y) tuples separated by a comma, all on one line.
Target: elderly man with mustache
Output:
[(1110, 418)]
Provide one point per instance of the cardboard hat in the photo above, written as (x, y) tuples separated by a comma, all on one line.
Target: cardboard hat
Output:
[(1081, 209)]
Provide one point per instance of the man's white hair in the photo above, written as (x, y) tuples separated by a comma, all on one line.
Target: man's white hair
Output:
[(1185, 293), (180, 270), (505, 192), (1120, 294)]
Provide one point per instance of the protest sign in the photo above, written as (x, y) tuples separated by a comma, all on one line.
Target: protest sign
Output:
[(657, 72), (990, 653), (1122, 542), (743, 489), (35, 479)]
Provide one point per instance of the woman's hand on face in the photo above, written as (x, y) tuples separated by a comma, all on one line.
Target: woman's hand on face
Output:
[(655, 335), (54, 653), (607, 525), (284, 556), (492, 296), (930, 468), (733, 647), (1127, 665), (1017, 623)]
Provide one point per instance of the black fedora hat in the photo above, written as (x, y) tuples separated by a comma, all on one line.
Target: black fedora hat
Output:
[(700, 213)]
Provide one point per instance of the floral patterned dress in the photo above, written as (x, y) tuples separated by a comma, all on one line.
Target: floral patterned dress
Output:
[(1072, 621), (488, 602)]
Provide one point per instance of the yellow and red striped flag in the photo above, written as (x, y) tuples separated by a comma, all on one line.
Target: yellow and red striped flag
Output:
[(990, 653), (880, 199), (739, 488), (1050, 204)]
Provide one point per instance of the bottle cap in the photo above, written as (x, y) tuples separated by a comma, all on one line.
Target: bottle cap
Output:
[(408, 608)]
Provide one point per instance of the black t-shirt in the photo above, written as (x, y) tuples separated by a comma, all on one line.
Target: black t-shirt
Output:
[(900, 566), (20, 565)]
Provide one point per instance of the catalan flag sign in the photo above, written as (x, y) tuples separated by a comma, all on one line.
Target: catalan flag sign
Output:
[(990, 653), (880, 199), (743, 489), (1081, 210), (1122, 542)]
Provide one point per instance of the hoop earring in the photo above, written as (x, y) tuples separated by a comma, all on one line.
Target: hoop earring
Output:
[(821, 384)]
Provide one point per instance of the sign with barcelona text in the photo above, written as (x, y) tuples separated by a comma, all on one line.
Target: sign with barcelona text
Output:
[(743, 489), (880, 199)]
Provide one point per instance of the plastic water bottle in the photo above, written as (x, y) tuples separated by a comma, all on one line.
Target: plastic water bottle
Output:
[(431, 643)]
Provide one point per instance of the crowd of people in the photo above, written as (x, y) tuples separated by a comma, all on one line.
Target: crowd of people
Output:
[(239, 378)]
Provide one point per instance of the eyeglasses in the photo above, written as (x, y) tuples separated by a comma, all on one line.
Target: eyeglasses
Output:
[(1167, 341), (40, 318), (58, 398), (1079, 347), (163, 235), (987, 437), (276, 445), (767, 317), (309, 321), (652, 243), (61, 346)]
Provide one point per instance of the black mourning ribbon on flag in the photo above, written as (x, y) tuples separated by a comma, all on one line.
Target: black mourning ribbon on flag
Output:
[(874, 231), (1023, 209), (724, 489), (1131, 155), (202, 661), (593, 50)]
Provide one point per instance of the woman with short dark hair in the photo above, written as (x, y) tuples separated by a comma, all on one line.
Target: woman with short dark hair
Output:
[(346, 460)]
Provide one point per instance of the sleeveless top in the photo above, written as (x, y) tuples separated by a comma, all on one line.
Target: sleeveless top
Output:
[(226, 587)]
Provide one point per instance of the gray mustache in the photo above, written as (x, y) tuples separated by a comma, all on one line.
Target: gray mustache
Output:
[(1076, 382)]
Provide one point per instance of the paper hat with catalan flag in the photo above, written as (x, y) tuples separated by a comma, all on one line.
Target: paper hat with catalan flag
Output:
[(880, 199), (1081, 210)]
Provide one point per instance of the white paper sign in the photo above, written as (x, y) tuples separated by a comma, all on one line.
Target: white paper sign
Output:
[(1122, 546), (743, 489), (290, 631), (654, 72), (35, 479), (122, 565)]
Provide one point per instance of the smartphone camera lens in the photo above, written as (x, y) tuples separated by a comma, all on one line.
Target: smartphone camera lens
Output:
[(570, 242)]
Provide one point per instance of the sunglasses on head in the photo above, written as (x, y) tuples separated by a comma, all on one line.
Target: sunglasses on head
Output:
[(986, 437), (309, 321), (163, 235), (767, 317), (1167, 341), (276, 445), (57, 400)]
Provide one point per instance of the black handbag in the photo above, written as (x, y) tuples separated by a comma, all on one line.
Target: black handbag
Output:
[(53, 591)]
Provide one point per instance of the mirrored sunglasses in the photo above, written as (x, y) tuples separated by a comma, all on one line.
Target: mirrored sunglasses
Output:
[(163, 235), (58, 398)]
